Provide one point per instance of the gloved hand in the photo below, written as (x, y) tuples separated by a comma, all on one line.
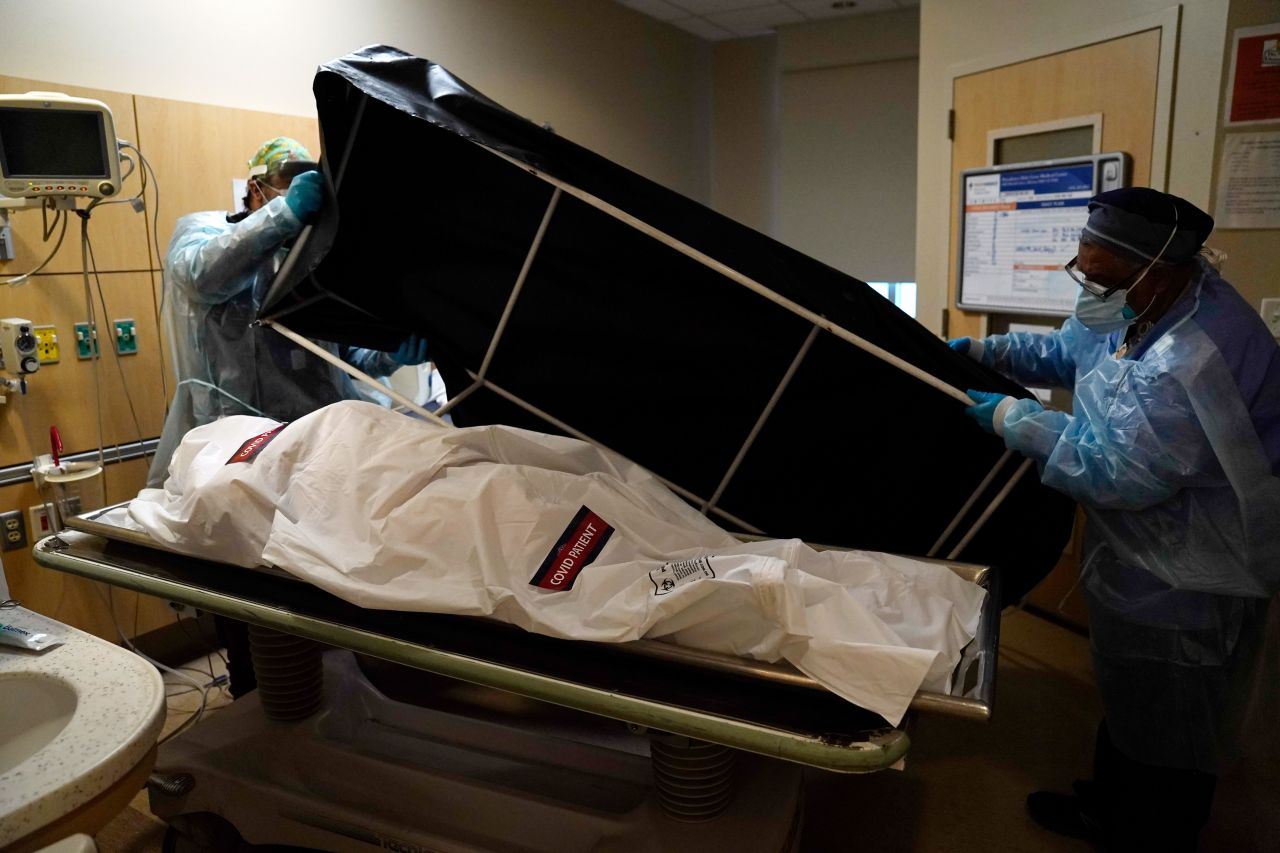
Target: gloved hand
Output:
[(984, 408), (412, 351), (306, 194), (960, 345)]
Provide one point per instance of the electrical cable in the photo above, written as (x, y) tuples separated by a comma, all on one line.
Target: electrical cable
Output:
[(95, 351), (133, 167), (210, 385), (154, 239), (204, 690), (45, 228), (210, 649), (20, 279), (140, 196), (137, 424)]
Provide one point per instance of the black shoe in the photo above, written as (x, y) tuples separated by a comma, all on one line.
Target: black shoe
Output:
[(1064, 814)]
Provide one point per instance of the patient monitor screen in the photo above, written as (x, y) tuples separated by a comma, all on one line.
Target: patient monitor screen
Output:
[(1020, 227), (45, 143)]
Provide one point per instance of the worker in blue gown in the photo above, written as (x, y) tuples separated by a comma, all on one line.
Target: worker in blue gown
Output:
[(218, 269), (1172, 448)]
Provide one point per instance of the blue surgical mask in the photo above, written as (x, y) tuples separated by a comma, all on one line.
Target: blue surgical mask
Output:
[(1103, 316)]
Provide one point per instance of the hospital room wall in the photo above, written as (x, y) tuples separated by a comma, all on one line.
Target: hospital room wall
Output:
[(804, 130), (971, 33), (623, 84)]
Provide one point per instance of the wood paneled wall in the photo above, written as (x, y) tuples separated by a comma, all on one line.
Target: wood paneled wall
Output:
[(74, 600), (196, 152)]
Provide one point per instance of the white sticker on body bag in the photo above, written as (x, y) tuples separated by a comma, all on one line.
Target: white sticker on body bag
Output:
[(672, 576)]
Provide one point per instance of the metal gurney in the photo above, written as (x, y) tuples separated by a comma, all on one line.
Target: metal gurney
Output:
[(694, 699)]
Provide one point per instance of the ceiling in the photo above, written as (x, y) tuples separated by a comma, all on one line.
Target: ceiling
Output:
[(717, 20)]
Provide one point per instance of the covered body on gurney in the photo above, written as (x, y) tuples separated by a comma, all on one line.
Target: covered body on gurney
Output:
[(551, 534)]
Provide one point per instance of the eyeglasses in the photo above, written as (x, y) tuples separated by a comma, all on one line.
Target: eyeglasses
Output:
[(263, 186), (1102, 291)]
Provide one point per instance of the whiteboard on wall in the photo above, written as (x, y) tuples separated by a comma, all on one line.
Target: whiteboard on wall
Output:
[(1020, 223)]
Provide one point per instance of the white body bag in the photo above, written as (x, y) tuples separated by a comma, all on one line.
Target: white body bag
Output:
[(551, 534)]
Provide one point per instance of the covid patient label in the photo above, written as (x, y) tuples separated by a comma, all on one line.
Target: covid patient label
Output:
[(672, 576), (253, 446), (579, 544)]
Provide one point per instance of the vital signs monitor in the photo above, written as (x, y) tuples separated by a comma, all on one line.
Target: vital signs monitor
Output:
[(54, 145)]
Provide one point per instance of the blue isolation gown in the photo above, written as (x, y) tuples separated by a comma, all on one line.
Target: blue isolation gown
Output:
[(1173, 450), (217, 271)]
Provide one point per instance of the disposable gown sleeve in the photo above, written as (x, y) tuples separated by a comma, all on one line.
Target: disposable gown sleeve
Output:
[(209, 260), (1129, 444), (374, 362), (1041, 360)]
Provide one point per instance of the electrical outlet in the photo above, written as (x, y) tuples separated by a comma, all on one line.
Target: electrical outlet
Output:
[(1271, 316), (14, 531), (86, 343), (40, 524), (46, 343), (126, 337)]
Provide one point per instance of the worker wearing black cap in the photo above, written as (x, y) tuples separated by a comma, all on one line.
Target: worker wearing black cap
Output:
[(1173, 449)]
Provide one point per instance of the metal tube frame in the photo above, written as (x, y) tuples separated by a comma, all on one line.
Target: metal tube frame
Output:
[(480, 380), (511, 303), (764, 416), (990, 510), (968, 505)]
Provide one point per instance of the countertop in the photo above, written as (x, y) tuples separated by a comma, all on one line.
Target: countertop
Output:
[(120, 709)]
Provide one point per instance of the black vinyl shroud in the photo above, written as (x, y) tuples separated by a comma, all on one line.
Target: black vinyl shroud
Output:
[(631, 342)]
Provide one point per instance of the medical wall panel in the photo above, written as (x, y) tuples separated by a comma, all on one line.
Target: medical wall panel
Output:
[(197, 151), (65, 393), (72, 600), (118, 232)]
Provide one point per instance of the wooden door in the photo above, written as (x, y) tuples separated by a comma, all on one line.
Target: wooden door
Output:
[(1116, 79)]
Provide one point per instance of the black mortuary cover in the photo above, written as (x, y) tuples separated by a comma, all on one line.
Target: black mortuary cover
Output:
[(630, 342)]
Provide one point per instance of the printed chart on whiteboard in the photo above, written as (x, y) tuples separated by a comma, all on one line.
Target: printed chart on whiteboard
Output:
[(1020, 227)]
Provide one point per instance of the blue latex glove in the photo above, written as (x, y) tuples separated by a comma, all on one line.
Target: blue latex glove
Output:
[(412, 351), (960, 345), (984, 409), (305, 195)]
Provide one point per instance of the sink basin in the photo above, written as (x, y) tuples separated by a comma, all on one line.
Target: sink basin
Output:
[(34, 709), (78, 726)]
